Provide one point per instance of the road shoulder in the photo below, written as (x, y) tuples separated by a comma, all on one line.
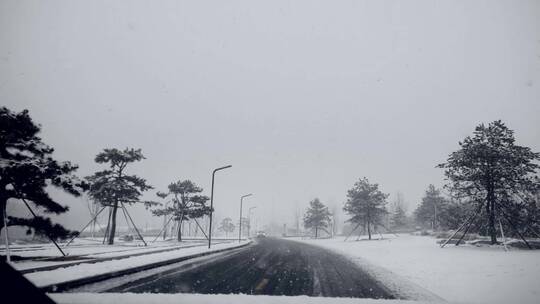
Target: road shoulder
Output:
[(400, 287)]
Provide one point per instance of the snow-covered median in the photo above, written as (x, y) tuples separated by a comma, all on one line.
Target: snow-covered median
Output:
[(65, 274), (457, 274), (89, 254)]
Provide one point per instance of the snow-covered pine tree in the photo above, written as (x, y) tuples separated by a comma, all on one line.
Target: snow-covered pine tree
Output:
[(494, 173), (113, 187), (366, 204), (27, 168), (432, 204), (187, 203), (317, 216)]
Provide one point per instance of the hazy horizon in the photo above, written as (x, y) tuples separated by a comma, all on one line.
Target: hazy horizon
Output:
[(302, 98)]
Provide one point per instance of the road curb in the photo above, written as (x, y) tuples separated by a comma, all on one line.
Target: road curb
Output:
[(64, 286)]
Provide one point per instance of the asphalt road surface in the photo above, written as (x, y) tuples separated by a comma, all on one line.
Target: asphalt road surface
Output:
[(270, 267)]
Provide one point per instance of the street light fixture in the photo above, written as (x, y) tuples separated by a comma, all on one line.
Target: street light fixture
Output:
[(249, 218), (212, 204), (240, 223)]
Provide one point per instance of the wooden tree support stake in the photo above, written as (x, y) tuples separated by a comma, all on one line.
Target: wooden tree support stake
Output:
[(142, 239), (202, 230), (86, 226), (462, 225), (356, 227), (50, 238), (502, 234), (516, 230), (163, 229), (388, 230)]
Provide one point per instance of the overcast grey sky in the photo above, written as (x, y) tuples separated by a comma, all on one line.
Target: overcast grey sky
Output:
[(301, 97)]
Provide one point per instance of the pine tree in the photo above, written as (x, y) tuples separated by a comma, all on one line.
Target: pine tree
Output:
[(398, 217), (366, 204), (27, 168), (494, 173), (317, 216), (427, 213), (113, 187), (187, 203)]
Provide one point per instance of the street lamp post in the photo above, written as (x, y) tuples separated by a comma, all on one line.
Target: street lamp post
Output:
[(249, 218), (212, 204), (240, 222)]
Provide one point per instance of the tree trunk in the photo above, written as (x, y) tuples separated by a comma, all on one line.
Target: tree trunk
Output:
[(316, 232), (369, 223), (165, 229), (492, 231), (112, 231), (490, 208), (179, 237), (434, 222), (173, 228), (106, 232)]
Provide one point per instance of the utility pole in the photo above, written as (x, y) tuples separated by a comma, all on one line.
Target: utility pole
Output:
[(212, 204), (240, 222)]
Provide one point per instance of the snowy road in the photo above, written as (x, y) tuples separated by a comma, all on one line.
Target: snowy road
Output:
[(271, 267)]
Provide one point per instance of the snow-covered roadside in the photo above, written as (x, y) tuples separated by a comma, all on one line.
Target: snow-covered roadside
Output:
[(44, 278), (87, 247), (149, 298), (457, 274)]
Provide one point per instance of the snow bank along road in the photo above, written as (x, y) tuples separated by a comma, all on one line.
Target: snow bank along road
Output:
[(268, 267)]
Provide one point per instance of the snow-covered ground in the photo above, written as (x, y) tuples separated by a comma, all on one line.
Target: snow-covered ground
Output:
[(88, 246), (44, 278), (458, 274), (115, 298)]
